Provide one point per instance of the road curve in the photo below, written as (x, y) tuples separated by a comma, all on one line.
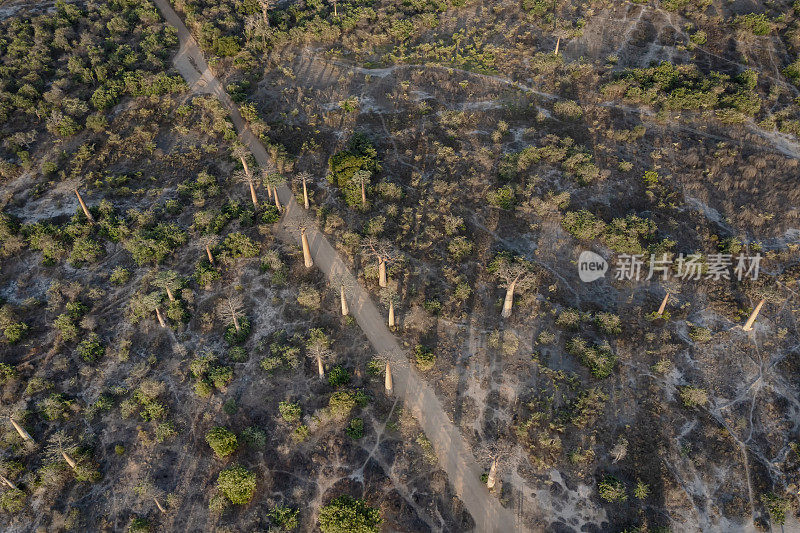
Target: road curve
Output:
[(453, 452)]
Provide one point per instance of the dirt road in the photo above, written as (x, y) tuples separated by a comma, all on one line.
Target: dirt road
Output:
[(454, 454)]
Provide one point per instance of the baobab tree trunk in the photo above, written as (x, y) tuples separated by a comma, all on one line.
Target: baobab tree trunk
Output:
[(320, 368), (8, 482), (345, 310), (363, 195), (306, 249), (253, 193), (749, 325), (335, 13), (170, 295), (160, 318), (236, 322), (269, 192), (492, 478), (86, 212), (509, 301), (22, 433), (305, 194), (663, 305), (558, 45), (391, 314), (158, 504), (388, 381), (382, 272), (264, 14), (277, 200), (210, 257), (69, 460)]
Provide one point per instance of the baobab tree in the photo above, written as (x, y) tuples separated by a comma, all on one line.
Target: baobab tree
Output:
[(266, 5), (361, 178), (169, 281), (230, 308), (86, 212), (384, 253), (318, 347), (304, 177), (390, 298), (271, 181), (142, 304), (341, 285), (335, 12), (14, 416), (498, 456), (61, 446), (245, 175), (147, 490), (208, 241), (515, 274)]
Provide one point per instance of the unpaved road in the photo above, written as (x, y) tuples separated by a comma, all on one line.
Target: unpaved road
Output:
[(453, 452)]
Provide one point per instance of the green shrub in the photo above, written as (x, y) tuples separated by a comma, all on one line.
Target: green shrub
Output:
[(424, 357), (12, 501), (290, 411), (239, 245), (569, 319), (220, 376), (284, 518), (341, 403), (7, 373), (502, 197), (700, 334), (599, 358), (608, 323), (254, 437), (119, 276), (15, 332), (222, 441), (693, 397), (355, 429), (237, 484), (777, 507), (755, 23), (338, 376), (582, 225), (346, 514), (139, 525), (612, 490), (91, 349), (164, 431)]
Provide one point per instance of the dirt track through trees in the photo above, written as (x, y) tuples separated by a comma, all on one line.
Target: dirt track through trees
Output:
[(453, 452)]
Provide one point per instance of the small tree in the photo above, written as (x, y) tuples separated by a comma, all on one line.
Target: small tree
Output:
[(222, 441), (515, 274), (237, 484)]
